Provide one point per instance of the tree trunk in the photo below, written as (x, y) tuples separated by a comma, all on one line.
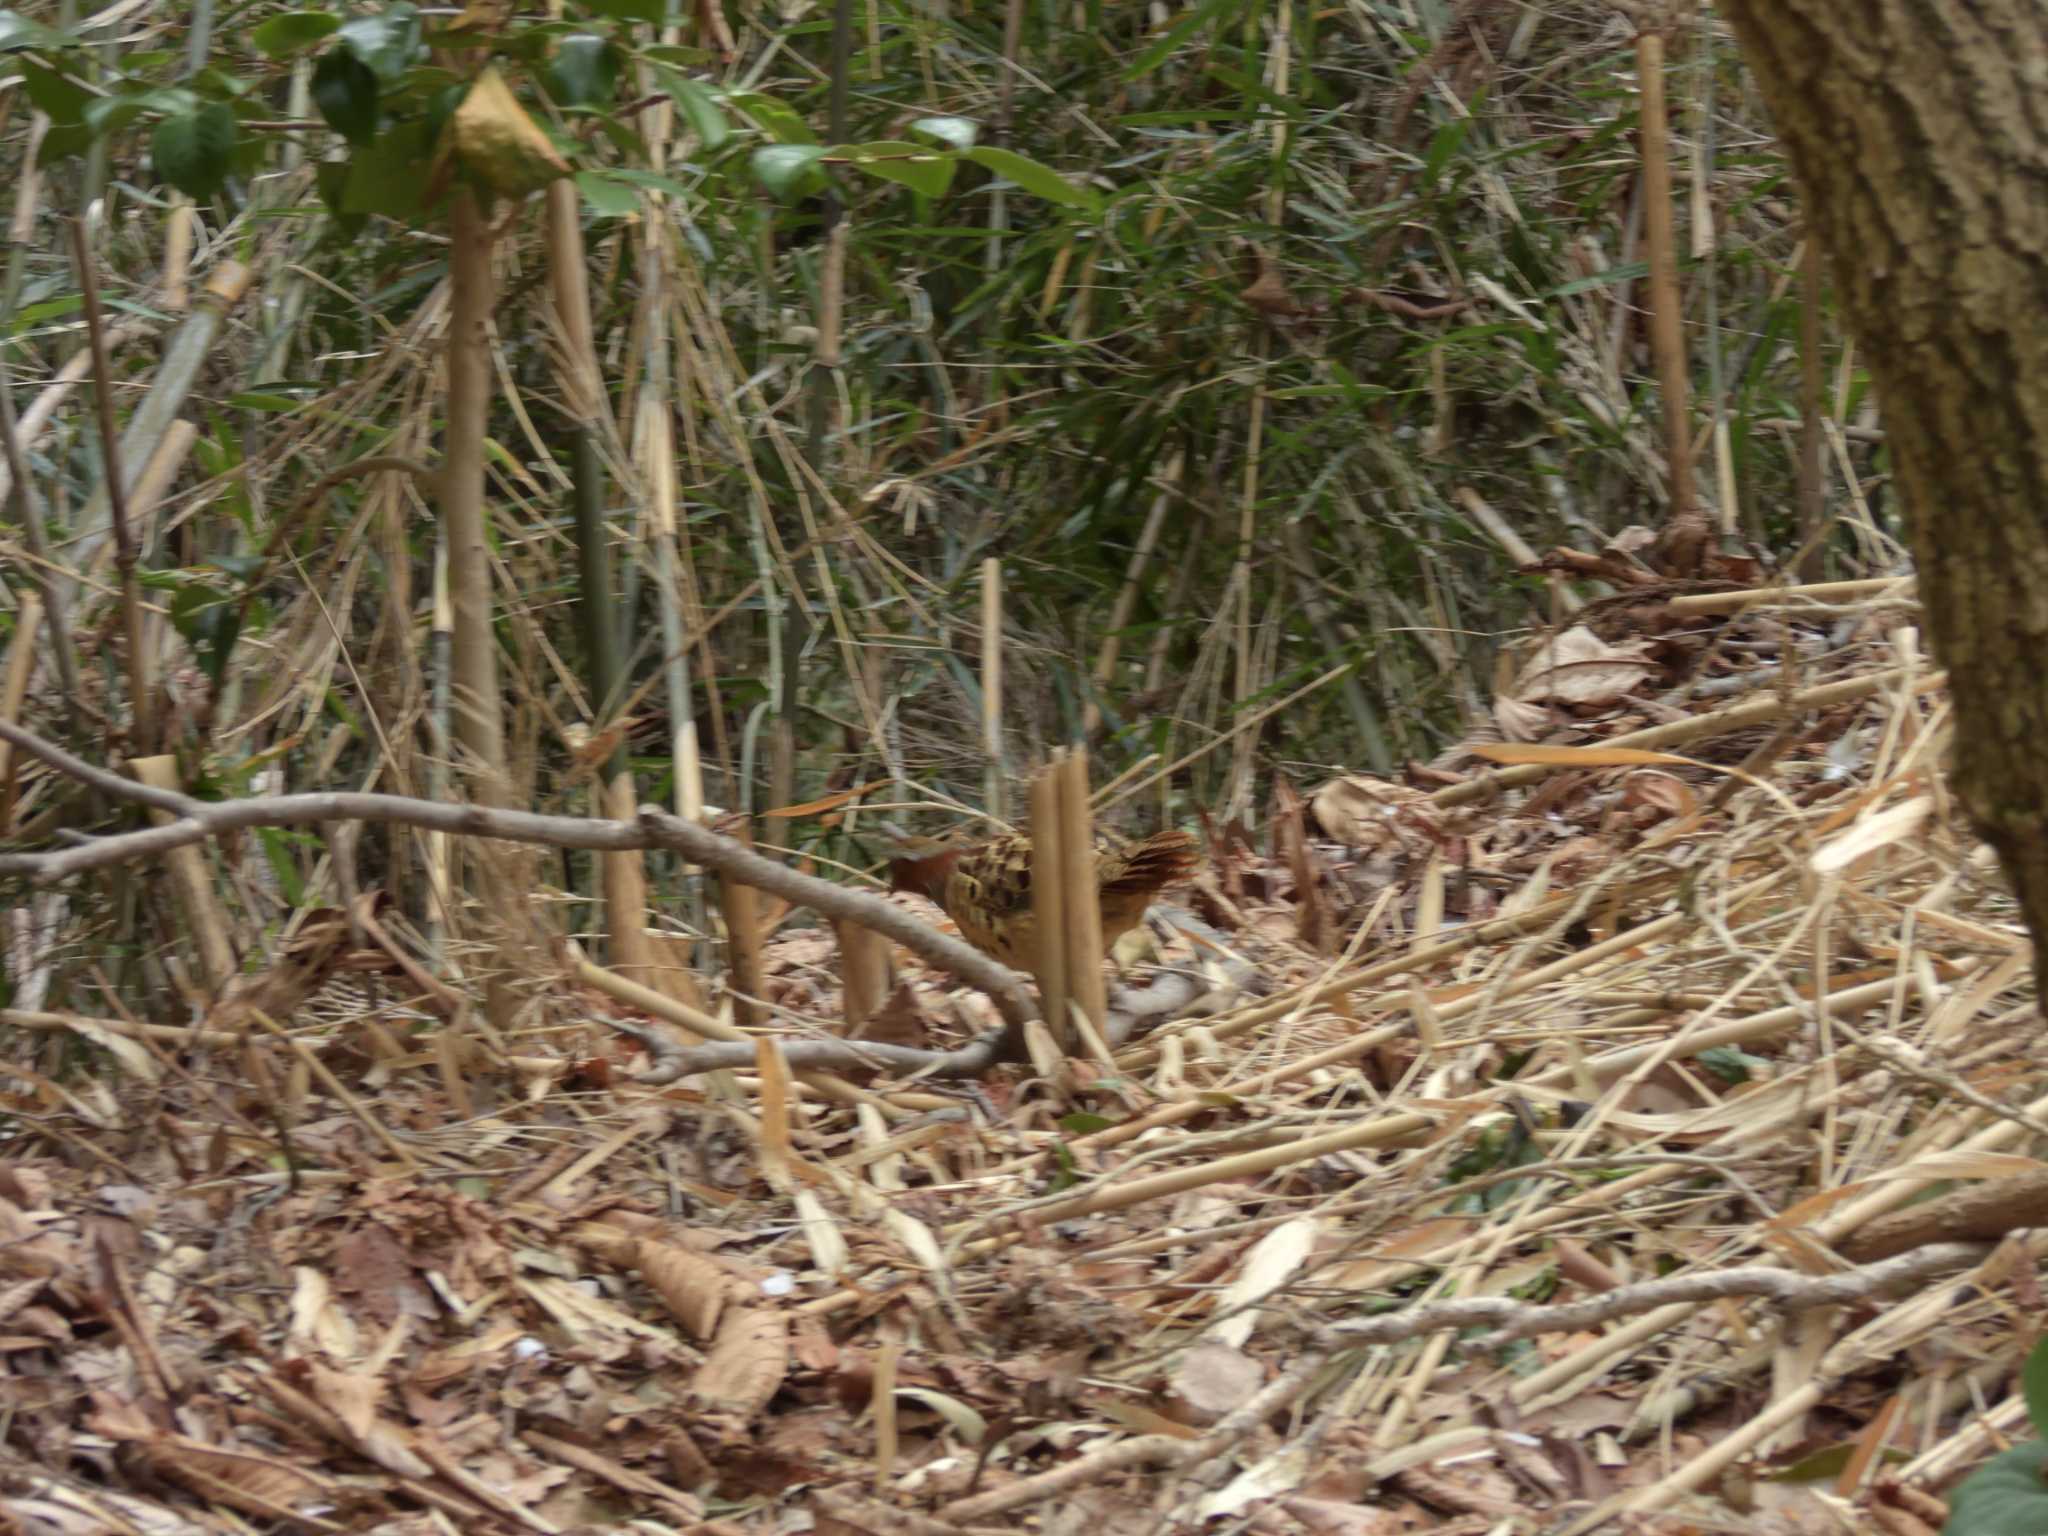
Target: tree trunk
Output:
[(1915, 129)]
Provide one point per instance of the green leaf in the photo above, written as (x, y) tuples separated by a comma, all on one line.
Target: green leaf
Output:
[(2034, 1386), (1082, 1123), (345, 90), (2004, 1497), (63, 99), (700, 107), (790, 171), (607, 198), (654, 181), (20, 32), (191, 151), (106, 115), (653, 12), (292, 31), (209, 622), (277, 847), (1163, 45), (1038, 180), (953, 132), (912, 165), (584, 71), (389, 176), (772, 117), (385, 44)]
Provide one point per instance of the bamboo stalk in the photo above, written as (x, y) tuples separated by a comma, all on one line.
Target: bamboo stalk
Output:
[(14, 680), (994, 784), (1666, 335), (742, 938), (1082, 903), (190, 880), (113, 475), (1048, 905)]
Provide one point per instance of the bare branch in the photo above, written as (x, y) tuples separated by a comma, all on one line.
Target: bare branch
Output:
[(200, 820)]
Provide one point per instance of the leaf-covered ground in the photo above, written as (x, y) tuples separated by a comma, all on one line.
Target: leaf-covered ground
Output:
[(1620, 1043)]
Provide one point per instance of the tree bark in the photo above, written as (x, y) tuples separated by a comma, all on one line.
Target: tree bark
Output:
[(1916, 130)]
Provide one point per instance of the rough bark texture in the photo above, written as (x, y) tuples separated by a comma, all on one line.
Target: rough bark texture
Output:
[(1919, 133)]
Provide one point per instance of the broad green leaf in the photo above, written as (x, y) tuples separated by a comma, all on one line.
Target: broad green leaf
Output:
[(922, 170), (790, 171), (607, 198), (61, 98), (700, 108), (584, 71), (292, 31), (345, 90), (191, 151), (110, 114), (389, 176), (1038, 180), (2004, 1497), (63, 139), (20, 32), (954, 132), (387, 43)]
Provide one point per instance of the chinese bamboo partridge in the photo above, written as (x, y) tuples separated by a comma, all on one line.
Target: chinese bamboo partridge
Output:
[(986, 888)]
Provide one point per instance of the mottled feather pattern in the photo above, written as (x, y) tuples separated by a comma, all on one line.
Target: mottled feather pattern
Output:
[(986, 888)]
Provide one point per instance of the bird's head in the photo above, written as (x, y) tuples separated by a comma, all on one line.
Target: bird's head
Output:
[(920, 864)]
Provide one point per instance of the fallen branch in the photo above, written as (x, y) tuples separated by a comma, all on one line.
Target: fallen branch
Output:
[(200, 820)]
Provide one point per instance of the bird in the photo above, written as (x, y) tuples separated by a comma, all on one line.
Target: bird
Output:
[(986, 887)]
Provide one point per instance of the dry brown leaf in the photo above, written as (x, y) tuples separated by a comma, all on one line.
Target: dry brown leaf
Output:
[(1579, 668), (691, 1286), (746, 1365)]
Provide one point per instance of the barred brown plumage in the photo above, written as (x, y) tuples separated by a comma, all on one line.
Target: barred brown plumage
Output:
[(986, 888)]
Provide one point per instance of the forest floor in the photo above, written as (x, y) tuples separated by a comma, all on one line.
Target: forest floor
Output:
[(1507, 1198)]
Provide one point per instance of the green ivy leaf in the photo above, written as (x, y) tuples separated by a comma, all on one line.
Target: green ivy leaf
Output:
[(1039, 180), (385, 44), (584, 71), (345, 90), (700, 108), (790, 171), (607, 198), (292, 31), (922, 170), (191, 151), (953, 132)]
